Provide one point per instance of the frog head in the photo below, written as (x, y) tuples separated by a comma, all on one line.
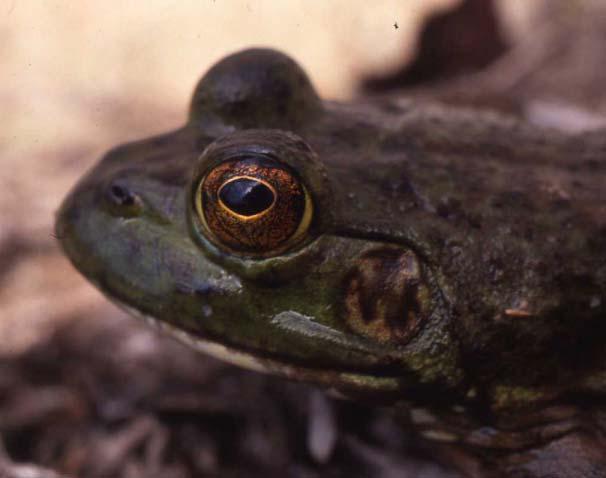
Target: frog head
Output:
[(382, 248)]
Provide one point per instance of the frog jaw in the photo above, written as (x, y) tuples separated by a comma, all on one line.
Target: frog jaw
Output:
[(340, 383)]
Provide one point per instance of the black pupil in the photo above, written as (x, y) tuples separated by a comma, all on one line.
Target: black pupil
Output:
[(246, 197)]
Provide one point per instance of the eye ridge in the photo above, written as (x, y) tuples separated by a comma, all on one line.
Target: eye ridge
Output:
[(248, 196)]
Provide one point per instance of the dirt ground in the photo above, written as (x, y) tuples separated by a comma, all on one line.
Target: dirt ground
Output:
[(86, 391)]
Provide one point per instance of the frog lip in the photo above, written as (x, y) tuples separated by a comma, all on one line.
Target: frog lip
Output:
[(340, 381)]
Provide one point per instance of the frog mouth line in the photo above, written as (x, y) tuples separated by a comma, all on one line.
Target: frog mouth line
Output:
[(331, 378)]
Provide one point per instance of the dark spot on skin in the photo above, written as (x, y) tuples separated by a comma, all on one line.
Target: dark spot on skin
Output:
[(401, 186), (449, 208)]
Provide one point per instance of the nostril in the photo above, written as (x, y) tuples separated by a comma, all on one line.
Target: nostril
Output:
[(122, 200), (120, 195)]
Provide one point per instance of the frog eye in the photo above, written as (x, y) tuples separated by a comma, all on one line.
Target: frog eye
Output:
[(253, 204)]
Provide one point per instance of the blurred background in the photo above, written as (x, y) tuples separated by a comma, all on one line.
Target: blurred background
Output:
[(81, 77)]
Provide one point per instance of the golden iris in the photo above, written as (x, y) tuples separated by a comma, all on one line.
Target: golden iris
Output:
[(254, 205)]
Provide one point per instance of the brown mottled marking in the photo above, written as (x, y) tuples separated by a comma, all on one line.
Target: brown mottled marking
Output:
[(384, 295)]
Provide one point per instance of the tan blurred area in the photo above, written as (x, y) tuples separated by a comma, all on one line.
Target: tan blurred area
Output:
[(80, 77)]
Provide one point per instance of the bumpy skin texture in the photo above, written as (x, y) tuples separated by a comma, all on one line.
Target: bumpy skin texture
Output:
[(455, 264)]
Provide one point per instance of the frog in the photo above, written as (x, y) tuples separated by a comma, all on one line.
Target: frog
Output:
[(446, 261)]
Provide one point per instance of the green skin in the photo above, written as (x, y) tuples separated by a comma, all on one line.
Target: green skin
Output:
[(506, 221)]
